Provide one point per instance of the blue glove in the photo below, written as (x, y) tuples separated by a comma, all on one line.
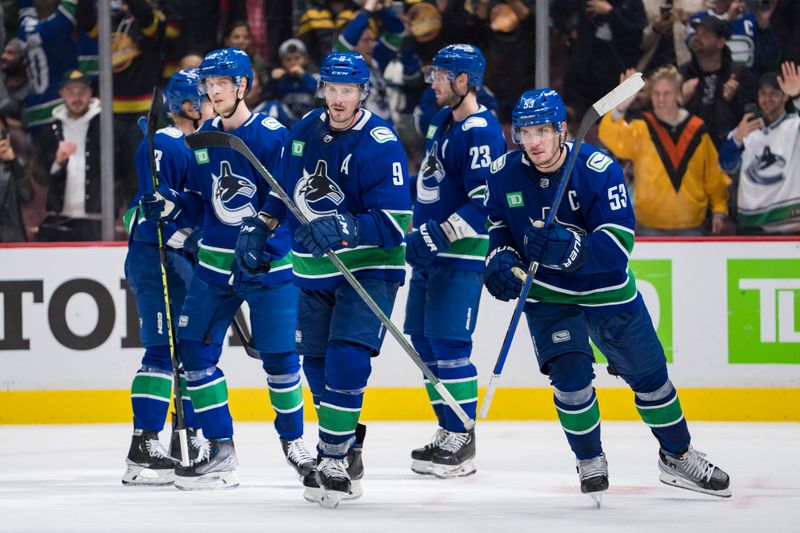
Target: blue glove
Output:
[(325, 233), (556, 247), (161, 205), (504, 274), (249, 250), (192, 243), (424, 244)]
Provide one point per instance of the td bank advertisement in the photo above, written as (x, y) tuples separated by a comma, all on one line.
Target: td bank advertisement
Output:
[(727, 314)]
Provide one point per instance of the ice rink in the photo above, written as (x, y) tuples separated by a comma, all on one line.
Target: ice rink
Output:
[(67, 478)]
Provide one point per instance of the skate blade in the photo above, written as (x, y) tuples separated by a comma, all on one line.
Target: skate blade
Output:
[(312, 494), (424, 468), (597, 497), (139, 476), (674, 481), (330, 498), (450, 471), (215, 481), (355, 490)]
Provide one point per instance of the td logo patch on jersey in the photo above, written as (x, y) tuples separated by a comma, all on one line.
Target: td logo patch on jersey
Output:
[(431, 174), (231, 196), (317, 194)]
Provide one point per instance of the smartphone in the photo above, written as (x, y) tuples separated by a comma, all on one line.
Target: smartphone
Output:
[(666, 9), (752, 108)]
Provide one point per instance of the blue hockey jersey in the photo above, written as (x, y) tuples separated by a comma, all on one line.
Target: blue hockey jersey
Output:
[(173, 161), (451, 183), (361, 171), (229, 189), (50, 51), (596, 205)]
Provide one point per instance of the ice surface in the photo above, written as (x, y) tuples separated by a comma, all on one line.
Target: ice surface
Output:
[(58, 478)]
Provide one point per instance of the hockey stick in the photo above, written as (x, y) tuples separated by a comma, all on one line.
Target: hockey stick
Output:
[(622, 92), (152, 121), (219, 139), (247, 343)]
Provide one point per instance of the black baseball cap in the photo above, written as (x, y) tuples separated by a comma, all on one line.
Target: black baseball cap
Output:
[(74, 76), (771, 79), (715, 24)]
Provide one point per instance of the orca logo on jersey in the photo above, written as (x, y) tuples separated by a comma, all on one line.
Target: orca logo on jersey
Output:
[(431, 174), (231, 196), (317, 194), (766, 169)]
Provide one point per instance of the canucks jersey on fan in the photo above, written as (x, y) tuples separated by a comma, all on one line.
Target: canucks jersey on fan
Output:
[(50, 51), (451, 182), (595, 205), (230, 189), (173, 162), (349, 175)]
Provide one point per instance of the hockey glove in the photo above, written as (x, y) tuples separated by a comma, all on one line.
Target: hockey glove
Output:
[(163, 205), (244, 281), (249, 251), (423, 245), (556, 247), (504, 274), (192, 243), (323, 234)]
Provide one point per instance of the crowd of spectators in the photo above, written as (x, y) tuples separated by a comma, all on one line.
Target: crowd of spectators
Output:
[(709, 62)]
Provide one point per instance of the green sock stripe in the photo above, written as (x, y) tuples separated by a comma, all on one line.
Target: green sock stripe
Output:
[(580, 422), (464, 390), (209, 395), (286, 400), (662, 415), (152, 385), (433, 394), (338, 420), (184, 391)]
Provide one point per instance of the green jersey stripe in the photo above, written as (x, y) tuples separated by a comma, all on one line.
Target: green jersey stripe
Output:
[(307, 266), (613, 295)]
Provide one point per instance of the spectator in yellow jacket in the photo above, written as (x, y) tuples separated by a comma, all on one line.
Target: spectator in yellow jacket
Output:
[(675, 167)]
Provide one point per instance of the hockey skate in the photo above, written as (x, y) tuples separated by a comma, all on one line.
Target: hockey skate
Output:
[(421, 457), (298, 456), (214, 469), (691, 470), (593, 475), (148, 463), (334, 481), (355, 469), (453, 457)]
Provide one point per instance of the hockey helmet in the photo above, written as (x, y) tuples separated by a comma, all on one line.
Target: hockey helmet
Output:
[(457, 58), (182, 87), (344, 67), (231, 62), (538, 106)]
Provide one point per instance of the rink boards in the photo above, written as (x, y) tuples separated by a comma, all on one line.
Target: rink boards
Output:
[(727, 312)]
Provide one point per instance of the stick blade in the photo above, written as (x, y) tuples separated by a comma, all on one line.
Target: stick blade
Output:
[(206, 139), (622, 92)]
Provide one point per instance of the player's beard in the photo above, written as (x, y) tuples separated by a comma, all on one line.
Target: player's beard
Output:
[(448, 99)]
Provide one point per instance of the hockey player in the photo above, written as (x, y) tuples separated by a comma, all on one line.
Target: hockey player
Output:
[(447, 249), (346, 171), (227, 189), (583, 288), (148, 462)]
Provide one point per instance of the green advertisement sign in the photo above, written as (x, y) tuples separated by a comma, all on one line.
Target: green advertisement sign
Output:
[(654, 281), (764, 311)]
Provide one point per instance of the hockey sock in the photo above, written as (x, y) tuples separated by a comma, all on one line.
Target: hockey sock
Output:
[(190, 419), (576, 402), (425, 351), (459, 377), (661, 410), (209, 393), (151, 391), (347, 368), (285, 393), (579, 414)]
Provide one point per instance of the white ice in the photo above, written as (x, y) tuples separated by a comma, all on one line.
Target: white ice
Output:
[(67, 478)]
